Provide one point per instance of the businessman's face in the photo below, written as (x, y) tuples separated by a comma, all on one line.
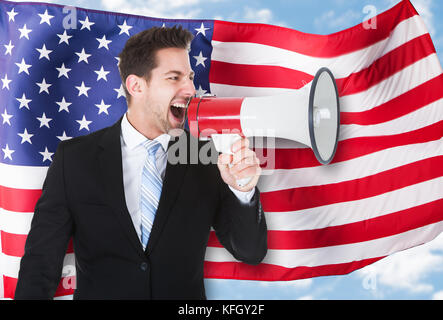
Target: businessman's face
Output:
[(169, 90)]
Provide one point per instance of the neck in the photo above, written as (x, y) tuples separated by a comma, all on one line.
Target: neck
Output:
[(142, 123)]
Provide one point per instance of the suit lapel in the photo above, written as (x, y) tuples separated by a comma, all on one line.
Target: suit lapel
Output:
[(172, 183), (110, 160)]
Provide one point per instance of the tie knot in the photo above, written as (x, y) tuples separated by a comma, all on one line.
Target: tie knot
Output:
[(151, 146)]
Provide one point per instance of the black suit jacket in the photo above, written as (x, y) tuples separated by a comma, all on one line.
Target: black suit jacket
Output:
[(83, 199)]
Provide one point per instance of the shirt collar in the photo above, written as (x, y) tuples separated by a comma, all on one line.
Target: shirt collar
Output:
[(132, 138)]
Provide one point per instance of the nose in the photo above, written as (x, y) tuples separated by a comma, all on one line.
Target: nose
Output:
[(189, 88)]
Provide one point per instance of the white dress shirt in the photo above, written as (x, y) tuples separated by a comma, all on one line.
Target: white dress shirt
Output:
[(133, 157)]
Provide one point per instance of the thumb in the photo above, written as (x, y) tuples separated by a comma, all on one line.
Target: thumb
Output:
[(223, 166)]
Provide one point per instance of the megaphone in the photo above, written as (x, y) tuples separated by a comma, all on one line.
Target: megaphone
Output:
[(310, 115)]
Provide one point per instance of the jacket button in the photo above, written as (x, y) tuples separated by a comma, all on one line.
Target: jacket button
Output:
[(144, 266)]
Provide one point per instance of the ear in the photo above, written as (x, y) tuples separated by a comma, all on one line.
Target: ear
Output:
[(135, 85)]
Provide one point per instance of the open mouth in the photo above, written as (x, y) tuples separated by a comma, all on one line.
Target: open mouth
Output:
[(178, 110)]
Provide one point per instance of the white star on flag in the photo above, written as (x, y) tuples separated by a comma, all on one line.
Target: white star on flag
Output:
[(43, 86), (102, 107), (64, 38), (44, 53), (82, 89), (44, 121), (26, 137), (24, 32), (63, 71), (23, 67), (6, 82), (200, 59), (23, 102), (45, 17), (84, 124), (124, 28), (200, 92), (101, 74), (63, 105), (46, 155), (86, 24), (11, 15), (6, 117), (103, 42), (82, 56), (64, 137), (7, 152), (201, 30), (120, 92), (9, 48)]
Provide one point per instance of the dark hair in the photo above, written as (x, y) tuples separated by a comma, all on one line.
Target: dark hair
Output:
[(138, 55)]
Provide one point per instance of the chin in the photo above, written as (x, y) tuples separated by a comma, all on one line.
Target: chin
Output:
[(175, 129), (176, 132)]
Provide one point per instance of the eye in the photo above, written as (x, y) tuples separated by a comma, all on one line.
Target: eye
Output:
[(174, 78)]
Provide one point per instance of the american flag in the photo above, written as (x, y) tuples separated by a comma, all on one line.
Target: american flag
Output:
[(382, 193)]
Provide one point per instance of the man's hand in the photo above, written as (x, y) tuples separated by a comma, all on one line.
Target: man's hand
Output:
[(244, 163)]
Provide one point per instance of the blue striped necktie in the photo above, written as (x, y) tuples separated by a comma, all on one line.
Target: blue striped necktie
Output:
[(151, 187)]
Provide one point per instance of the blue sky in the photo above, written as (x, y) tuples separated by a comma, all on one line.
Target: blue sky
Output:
[(412, 274)]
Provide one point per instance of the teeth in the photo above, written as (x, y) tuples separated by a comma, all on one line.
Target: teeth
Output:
[(179, 105)]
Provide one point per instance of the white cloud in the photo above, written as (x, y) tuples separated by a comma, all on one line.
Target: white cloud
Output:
[(407, 270), (175, 9), (252, 15), (295, 284), (438, 295), (308, 297), (332, 20), (425, 10), (258, 15)]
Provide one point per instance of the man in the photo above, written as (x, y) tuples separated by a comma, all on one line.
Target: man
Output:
[(101, 191)]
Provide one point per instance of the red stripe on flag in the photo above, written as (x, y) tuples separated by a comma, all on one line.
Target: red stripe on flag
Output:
[(279, 77), (348, 149), (315, 45), (386, 66), (366, 230), (18, 200), (64, 288), (14, 244), (270, 272), (315, 196), (370, 229), (412, 100), (257, 76)]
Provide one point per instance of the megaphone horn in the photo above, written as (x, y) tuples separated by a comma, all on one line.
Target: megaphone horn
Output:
[(310, 115)]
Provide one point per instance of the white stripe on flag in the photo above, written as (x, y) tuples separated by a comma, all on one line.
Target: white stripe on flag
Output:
[(22, 177), (401, 82), (350, 170), (359, 210), (338, 254), (11, 265), (343, 66)]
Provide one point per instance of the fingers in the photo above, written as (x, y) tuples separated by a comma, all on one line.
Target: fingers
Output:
[(240, 144), (243, 155), (224, 159), (244, 161), (243, 170)]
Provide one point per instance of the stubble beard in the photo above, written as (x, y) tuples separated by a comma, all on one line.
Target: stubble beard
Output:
[(166, 127)]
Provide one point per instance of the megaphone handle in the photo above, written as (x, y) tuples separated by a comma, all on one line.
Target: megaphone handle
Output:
[(223, 144)]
